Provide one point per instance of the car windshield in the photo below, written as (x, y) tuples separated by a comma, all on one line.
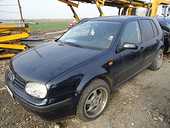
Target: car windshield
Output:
[(92, 34)]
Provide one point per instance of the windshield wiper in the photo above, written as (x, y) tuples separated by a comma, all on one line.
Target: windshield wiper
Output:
[(81, 46), (73, 44)]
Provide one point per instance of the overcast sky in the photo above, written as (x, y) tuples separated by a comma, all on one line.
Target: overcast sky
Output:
[(40, 9)]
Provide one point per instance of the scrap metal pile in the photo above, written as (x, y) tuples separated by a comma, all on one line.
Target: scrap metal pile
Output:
[(10, 39), (11, 34)]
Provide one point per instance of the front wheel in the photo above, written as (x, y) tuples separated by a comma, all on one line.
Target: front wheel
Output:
[(94, 100), (158, 60)]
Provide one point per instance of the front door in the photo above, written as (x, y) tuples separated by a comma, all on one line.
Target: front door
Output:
[(128, 61)]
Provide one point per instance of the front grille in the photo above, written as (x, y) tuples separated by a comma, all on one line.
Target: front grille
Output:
[(19, 82)]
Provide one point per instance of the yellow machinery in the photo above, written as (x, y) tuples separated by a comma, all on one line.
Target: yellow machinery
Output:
[(11, 36), (155, 5), (126, 7)]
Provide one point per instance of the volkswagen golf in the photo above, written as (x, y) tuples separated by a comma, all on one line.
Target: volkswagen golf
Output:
[(76, 73)]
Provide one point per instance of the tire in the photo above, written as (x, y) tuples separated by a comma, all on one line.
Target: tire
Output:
[(166, 49), (86, 109), (157, 62), (166, 45)]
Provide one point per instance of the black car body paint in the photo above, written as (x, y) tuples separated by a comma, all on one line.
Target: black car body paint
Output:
[(67, 69)]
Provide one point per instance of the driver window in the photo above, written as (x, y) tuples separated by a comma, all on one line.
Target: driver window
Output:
[(131, 33)]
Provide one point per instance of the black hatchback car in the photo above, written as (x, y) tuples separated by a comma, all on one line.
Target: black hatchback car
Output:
[(165, 25), (77, 73)]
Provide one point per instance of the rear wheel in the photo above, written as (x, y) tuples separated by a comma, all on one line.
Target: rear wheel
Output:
[(94, 100), (158, 60)]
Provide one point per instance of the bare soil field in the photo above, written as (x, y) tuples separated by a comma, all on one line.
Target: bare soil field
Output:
[(143, 102)]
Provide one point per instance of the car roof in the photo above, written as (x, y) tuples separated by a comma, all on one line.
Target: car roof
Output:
[(117, 18)]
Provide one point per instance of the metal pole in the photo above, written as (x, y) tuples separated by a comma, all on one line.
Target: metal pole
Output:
[(20, 10), (74, 13), (100, 10)]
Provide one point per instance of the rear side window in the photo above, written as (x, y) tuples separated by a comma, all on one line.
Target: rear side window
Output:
[(131, 33), (155, 30), (146, 30)]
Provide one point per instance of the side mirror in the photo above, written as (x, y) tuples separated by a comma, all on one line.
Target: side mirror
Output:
[(129, 46)]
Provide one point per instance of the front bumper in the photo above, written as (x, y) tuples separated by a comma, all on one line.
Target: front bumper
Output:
[(45, 108), (55, 110)]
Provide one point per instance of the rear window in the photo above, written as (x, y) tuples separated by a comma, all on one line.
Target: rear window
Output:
[(146, 30)]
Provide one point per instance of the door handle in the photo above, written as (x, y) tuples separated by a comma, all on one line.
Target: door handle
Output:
[(142, 48)]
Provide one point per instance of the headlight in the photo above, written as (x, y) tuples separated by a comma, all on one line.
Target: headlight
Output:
[(37, 90)]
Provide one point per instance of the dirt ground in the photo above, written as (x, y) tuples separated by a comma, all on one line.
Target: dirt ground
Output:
[(143, 102)]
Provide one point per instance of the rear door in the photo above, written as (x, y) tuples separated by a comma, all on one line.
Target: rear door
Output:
[(150, 40)]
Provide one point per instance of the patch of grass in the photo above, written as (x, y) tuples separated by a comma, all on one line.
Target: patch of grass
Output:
[(49, 26)]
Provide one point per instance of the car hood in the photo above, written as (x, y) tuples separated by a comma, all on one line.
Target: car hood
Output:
[(49, 60)]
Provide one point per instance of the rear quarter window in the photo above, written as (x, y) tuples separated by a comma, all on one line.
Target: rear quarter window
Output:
[(146, 30), (155, 29)]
